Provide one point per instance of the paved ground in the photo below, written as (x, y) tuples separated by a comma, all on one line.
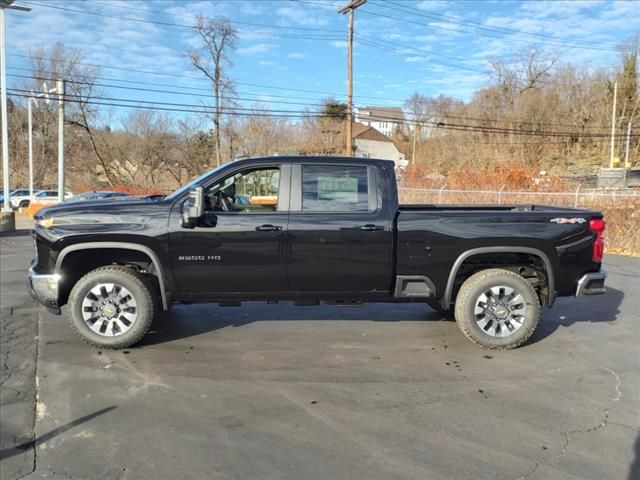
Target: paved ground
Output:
[(283, 392)]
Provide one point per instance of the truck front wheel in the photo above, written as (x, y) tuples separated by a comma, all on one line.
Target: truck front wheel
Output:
[(111, 307), (497, 309)]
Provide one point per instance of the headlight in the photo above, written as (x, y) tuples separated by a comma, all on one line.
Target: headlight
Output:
[(44, 222)]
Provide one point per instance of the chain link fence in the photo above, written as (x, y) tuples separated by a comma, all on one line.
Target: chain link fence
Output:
[(621, 207)]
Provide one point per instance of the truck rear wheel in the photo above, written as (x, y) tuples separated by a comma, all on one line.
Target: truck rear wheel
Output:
[(497, 309), (111, 307)]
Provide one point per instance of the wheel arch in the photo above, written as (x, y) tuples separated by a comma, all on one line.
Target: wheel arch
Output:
[(153, 257), (449, 290)]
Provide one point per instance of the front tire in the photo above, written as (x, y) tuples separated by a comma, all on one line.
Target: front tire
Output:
[(497, 309), (112, 307)]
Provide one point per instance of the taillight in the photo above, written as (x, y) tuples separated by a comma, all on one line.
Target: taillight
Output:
[(596, 225)]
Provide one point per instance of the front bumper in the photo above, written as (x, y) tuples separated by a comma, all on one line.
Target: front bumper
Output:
[(44, 288), (591, 284)]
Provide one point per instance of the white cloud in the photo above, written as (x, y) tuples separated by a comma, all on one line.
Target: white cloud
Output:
[(296, 56), (426, 38), (559, 8), (415, 59), (182, 11), (256, 48), (251, 8), (299, 16), (339, 44), (435, 5), (266, 63)]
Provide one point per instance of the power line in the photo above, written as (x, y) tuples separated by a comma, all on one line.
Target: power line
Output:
[(438, 117), (314, 37), (194, 17), (190, 108), (183, 110), (433, 116), (375, 43), (492, 28), (152, 103), (173, 24), (484, 28), (172, 92), (197, 78)]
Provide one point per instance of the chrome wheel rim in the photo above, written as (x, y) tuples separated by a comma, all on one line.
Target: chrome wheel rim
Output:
[(109, 309), (500, 311)]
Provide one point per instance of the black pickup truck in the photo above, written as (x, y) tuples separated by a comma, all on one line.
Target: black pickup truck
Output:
[(307, 230)]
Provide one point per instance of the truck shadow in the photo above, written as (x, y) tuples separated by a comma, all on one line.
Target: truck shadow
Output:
[(569, 311), (185, 321)]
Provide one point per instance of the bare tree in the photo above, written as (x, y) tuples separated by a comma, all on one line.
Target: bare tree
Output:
[(218, 36), (527, 69), (60, 62)]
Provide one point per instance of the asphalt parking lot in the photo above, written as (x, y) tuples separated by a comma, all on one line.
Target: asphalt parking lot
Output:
[(283, 392)]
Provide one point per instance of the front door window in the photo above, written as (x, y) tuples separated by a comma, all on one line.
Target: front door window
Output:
[(249, 191)]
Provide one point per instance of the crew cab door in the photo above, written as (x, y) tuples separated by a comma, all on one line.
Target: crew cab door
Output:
[(238, 244), (340, 234)]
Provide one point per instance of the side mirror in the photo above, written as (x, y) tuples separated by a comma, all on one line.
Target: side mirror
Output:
[(193, 208)]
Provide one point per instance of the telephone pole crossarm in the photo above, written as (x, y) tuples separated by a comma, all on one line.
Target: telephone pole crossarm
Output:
[(349, 134)]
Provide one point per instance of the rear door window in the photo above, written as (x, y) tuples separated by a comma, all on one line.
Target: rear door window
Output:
[(335, 188)]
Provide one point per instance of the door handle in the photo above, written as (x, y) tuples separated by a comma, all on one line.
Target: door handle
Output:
[(269, 228), (369, 227)]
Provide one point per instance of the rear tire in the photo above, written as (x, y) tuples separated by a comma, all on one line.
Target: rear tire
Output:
[(497, 309), (112, 307)]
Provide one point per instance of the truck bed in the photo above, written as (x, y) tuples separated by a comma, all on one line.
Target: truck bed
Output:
[(411, 207), (430, 238)]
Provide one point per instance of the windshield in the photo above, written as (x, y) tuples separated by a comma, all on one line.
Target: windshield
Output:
[(191, 184)]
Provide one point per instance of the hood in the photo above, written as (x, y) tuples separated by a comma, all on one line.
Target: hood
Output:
[(90, 217), (101, 207)]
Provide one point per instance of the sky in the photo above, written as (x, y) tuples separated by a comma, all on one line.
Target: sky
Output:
[(292, 53)]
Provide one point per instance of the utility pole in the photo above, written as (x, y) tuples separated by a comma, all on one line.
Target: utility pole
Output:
[(613, 124), (5, 131), (60, 91), (7, 218), (413, 150), (30, 100), (626, 155), (350, 9)]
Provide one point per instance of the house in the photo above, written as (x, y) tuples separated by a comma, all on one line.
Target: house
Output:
[(371, 143), (387, 120), (367, 143)]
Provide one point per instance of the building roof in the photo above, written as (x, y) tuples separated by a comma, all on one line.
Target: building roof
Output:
[(368, 133), (381, 114)]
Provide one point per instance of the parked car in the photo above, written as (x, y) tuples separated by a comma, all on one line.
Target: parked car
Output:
[(20, 198), (96, 195), (50, 195), (334, 233)]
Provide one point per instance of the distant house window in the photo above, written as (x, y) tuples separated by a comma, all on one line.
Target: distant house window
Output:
[(328, 138), (366, 155)]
